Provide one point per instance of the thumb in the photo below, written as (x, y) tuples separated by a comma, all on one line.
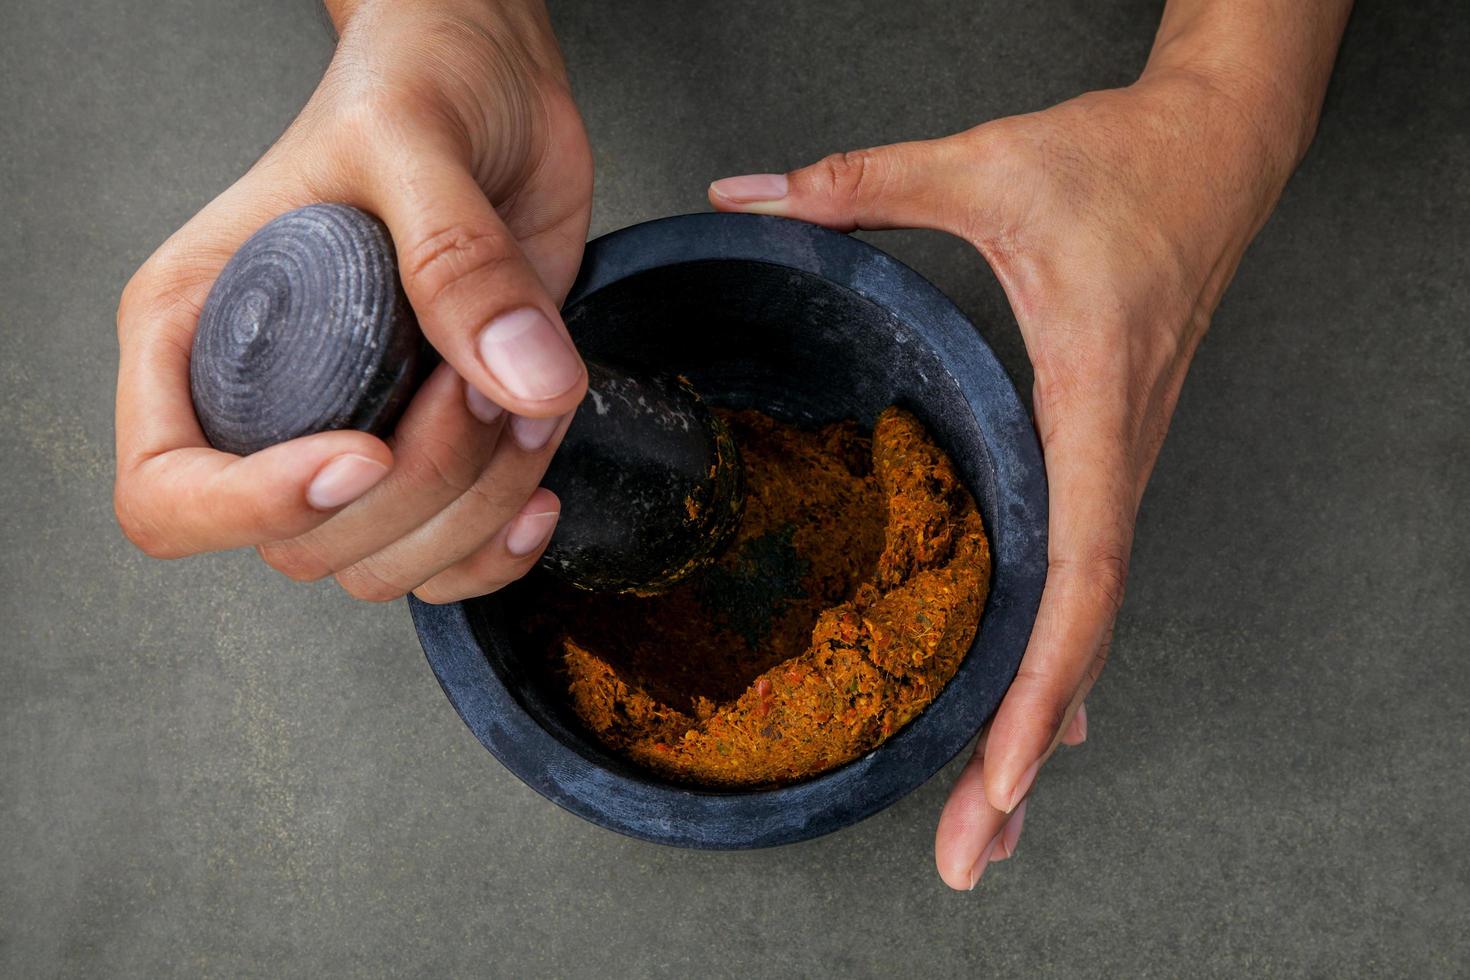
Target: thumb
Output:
[(902, 185)]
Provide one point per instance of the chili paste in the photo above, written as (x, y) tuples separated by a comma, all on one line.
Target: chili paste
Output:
[(843, 606)]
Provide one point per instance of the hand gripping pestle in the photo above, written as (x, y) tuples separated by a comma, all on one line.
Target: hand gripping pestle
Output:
[(307, 329)]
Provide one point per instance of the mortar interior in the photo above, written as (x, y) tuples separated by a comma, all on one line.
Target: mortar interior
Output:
[(748, 334)]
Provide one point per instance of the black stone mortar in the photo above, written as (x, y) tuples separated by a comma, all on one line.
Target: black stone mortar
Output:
[(810, 326)]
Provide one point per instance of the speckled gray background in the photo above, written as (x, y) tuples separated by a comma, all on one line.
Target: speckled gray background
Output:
[(207, 770)]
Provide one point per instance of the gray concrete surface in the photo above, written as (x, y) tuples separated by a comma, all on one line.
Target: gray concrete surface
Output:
[(208, 771)]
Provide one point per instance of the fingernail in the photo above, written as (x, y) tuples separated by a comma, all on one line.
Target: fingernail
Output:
[(1078, 729), (750, 188), (528, 531), (481, 407), (979, 868), (1011, 833), (529, 355), (343, 480), (1023, 786), (532, 434)]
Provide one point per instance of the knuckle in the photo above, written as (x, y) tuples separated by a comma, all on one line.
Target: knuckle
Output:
[(1108, 574), (434, 595), (294, 561), (363, 583), (1054, 386), (147, 293), (143, 533), (845, 175), (495, 500), (1004, 138), (151, 299), (1101, 576), (488, 570), (1060, 397), (443, 463), (437, 594), (1050, 395), (444, 257), (1045, 706)]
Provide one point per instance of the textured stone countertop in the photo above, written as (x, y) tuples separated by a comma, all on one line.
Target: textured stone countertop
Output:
[(208, 770)]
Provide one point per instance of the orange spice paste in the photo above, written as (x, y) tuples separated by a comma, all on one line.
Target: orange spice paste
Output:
[(844, 605)]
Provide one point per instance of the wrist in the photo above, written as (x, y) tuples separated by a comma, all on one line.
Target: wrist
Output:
[(523, 22), (1238, 120), (1227, 140)]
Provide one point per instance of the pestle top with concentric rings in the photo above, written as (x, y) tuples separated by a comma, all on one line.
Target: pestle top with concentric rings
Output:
[(307, 329)]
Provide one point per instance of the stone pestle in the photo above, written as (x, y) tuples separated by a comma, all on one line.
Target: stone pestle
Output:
[(307, 329)]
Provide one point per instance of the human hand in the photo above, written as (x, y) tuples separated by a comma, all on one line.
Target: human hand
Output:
[(452, 121), (1114, 222)]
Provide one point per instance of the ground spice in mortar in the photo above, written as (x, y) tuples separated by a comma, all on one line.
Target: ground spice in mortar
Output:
[(842, 608)]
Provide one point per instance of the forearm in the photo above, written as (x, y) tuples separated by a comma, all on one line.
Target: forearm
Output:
[(1271, 57)]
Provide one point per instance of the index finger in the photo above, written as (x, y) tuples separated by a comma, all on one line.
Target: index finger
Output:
[(1092, 504), (478, 299)]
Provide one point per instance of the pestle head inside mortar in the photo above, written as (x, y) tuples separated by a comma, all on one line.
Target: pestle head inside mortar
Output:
[(307, 329)]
